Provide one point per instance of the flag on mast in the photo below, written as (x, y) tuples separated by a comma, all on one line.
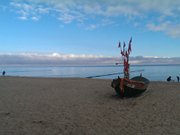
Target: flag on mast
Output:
[(124, 49), (119, 45), (124, 45), (129, 47)]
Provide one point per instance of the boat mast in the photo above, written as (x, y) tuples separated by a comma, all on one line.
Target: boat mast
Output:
[(125, 54)]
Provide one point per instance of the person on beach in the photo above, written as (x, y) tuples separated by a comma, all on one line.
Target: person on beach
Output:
[(177, 78), (3, 73), (169, 79)]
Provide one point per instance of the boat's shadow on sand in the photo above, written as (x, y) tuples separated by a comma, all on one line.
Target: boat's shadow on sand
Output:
[(118, 97)]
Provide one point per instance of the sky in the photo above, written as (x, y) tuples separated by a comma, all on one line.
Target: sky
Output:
[(88, 31)]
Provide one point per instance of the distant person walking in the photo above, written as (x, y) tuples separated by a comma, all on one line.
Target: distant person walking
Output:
[(177, 78), (3, 73), (169, 79)]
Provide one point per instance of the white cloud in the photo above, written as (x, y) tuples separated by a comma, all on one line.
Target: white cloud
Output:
[(29, 11), (81, 11), (81, 59), (150, 60), (53, 58), (43, 10), (92, 27), (22, 18), (35, 18), (108, 8), (66, 18), (166, 27)]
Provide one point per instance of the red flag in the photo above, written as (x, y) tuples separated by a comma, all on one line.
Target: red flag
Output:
[(119, 45), (129, 48), (126, 54), (124, 45), (123, 51)]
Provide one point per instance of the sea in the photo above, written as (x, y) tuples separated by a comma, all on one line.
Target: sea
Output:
[(152, 72)]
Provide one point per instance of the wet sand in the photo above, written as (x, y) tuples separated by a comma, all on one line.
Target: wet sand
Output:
[(74, 106)]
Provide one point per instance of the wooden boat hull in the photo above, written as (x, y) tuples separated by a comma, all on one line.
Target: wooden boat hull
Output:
[(130, 87)]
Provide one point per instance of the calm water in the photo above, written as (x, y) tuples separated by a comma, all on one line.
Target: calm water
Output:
[(153, 73)]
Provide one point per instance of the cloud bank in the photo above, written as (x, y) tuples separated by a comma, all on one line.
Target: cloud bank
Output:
[(78, 60), (156, 15), (54, 59)]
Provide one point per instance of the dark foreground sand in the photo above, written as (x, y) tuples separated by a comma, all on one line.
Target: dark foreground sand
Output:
[(42, 106)]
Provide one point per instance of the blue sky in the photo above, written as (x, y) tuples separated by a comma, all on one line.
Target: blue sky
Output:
[(89, 29)]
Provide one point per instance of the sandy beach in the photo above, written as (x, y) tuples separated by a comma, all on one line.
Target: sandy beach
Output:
[(75, 106)]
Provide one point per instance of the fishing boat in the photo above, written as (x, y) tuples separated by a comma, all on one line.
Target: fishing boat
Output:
[(130, 87), (126, 87)]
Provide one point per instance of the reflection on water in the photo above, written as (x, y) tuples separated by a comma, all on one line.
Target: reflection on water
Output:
[(153, 72)]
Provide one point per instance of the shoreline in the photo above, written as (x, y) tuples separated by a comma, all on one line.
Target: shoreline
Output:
[(51, 106), (157, 74), (95, 78)]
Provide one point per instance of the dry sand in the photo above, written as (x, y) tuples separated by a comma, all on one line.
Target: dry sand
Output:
[(74, 106)]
